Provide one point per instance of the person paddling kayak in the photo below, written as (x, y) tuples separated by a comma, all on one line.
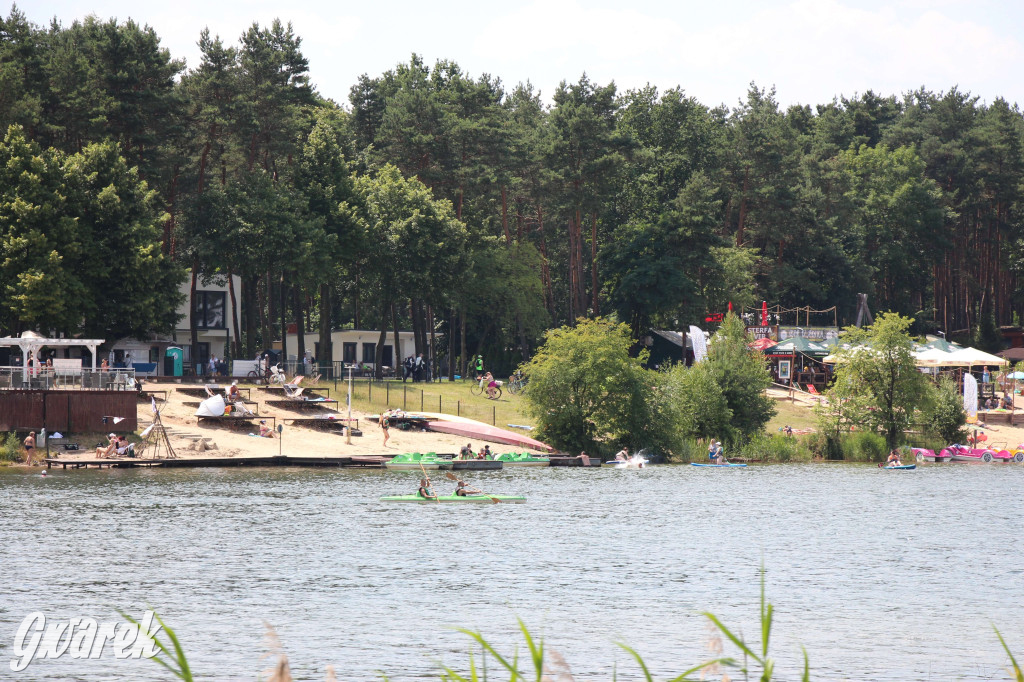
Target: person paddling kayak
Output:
[(462, 490), (425, 490)]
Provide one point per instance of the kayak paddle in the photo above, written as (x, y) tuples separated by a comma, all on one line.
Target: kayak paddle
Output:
[(453, 477)]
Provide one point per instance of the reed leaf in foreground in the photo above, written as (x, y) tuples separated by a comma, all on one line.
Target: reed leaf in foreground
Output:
[(176, 662), (1018, 675)]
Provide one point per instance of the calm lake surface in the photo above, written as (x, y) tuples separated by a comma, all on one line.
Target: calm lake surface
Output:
[(880, 575)]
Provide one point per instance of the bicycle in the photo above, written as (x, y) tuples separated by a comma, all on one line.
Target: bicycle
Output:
[(496, 391), (517, 383), (271, 375), (478, 386)]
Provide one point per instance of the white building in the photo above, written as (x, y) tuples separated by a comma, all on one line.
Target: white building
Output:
[(213, 315), (355, 347)]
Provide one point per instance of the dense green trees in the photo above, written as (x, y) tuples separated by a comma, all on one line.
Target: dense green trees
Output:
[(877, 385), (647, 204)]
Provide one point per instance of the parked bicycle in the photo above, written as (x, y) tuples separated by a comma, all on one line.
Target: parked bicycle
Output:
[(271, 374), (516, 383)]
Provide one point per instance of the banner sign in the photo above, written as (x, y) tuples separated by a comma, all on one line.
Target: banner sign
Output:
[(809, 333), (699, 344), (763, 333)]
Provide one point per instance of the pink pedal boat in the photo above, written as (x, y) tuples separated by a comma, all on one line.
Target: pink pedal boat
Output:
[(963, 453)]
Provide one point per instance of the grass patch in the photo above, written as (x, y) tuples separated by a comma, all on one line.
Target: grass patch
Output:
[(447, 397), (797, 415)]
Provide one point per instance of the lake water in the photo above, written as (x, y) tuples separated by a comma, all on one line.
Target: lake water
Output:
[(880, 575)]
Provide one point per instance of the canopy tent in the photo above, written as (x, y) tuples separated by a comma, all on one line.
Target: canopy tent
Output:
[(972, 357), (798, 345), (934, 357), (941, 344), (30, 342)]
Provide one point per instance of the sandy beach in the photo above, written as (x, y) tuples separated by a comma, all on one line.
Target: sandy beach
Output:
[(235, 441)]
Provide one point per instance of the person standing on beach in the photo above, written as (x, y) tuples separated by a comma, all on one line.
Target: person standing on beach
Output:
[(30, 445), (385, 423)]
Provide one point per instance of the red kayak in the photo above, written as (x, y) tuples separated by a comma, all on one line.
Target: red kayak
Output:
[(481, 431)]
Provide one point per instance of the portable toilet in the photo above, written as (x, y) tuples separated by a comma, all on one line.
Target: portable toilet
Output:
[(173, 361)]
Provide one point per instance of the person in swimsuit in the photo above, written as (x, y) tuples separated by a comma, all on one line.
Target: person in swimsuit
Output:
[(30, 445), (894, 459), (462, 490), (385, 424), (110, 448), (622, 455), (466, 452), (425, 490), (265, 431)]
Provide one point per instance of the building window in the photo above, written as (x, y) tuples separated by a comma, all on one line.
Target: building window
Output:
[(369, 352), (209, 312), (348, 352)]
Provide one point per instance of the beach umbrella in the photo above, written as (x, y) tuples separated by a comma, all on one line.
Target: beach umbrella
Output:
[(1015, 375), (972, 357)]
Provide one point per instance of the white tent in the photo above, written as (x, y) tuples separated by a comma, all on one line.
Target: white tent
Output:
[(972, 357), (933, 357)]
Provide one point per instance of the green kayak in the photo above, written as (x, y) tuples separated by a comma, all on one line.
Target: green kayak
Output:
[(485, 499)]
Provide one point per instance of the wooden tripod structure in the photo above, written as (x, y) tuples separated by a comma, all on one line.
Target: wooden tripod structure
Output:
[(156, 444)]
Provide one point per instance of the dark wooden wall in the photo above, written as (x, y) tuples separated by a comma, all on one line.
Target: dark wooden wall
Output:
[(71, 411)]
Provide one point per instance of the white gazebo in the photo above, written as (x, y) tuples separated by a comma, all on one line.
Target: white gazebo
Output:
[(30, 342)]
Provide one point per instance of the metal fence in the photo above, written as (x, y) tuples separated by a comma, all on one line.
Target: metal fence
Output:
[(120, 379)]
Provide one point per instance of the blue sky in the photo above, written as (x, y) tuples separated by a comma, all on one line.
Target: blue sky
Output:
[(810, 50)]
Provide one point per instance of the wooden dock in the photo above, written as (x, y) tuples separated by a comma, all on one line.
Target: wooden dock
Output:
[(353, 461)]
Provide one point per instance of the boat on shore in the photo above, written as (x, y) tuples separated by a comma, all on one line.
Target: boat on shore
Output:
[(522, 459), (478, 499), (414, 461)]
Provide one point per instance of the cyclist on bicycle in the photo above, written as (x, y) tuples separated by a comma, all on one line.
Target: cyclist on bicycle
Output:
[(492, 386)]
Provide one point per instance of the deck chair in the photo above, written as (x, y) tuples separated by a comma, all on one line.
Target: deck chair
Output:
[(240, 409), (277, 375), (292, 388), (812, 390)]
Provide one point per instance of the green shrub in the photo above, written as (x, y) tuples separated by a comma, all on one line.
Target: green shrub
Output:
[(10, 448), (775, 448), (823, 445), (945, 417), (689, 450), (864, 446)]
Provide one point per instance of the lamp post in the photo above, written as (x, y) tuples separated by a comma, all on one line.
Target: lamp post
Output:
[(348, 425)]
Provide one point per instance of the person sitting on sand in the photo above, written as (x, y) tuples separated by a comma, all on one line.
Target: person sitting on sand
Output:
[(103, 452), (425, 490), (233, 394), (462, 490), (265, 431), (894, 459)]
